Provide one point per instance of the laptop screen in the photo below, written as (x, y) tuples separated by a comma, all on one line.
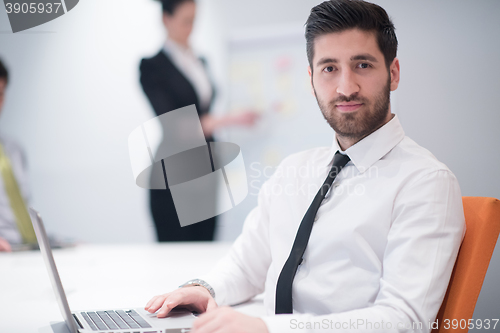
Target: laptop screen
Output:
[(43, 242)]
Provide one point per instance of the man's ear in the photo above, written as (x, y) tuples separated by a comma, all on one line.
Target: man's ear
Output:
[(309, 71), (395, 74)]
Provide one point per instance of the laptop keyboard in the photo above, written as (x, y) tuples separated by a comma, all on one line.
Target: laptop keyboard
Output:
[(113, 320)]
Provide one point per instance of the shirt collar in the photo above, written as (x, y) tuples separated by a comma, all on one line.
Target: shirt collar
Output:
[(171, 46), (373, 147)]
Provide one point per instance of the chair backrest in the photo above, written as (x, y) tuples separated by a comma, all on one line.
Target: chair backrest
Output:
[(482, 217)]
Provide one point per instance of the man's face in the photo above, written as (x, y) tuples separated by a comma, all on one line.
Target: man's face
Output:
[(352, 83), (3, 86)]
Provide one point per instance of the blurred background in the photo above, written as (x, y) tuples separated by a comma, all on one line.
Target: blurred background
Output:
[(74, 97)]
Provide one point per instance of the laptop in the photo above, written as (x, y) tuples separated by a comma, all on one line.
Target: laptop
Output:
[(117, 321)]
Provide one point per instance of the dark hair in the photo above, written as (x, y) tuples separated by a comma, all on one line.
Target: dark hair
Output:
[(169, 6), (4, 74), (340, 15)]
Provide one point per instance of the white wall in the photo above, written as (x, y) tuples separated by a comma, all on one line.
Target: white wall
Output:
[(74, 97)]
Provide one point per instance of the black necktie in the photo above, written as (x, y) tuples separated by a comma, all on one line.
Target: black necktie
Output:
[(285, 280)]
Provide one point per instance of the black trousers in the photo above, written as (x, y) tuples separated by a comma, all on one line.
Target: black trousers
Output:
[(168, 228)]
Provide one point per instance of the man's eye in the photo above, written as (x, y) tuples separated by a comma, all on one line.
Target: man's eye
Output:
[(328, 69), (364, 65)]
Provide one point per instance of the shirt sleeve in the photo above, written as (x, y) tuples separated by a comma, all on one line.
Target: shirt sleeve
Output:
[(427, 228), (241, 274)]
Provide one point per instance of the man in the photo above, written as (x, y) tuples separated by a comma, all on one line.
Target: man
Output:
[(382, 243), (14, 189)]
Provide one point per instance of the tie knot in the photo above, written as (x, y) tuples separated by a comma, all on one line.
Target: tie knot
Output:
[(339, 161)]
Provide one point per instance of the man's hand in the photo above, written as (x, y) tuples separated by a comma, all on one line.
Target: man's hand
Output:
[(4, 245), (194, 298), (227, 320)]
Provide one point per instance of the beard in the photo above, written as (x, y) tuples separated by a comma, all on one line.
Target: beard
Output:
[(358, 124)]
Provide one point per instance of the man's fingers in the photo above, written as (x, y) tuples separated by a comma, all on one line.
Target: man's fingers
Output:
[(169, 303), (148, 304), (208, 325), (211, 304), (210, 321), (156, 303), (192, 298)]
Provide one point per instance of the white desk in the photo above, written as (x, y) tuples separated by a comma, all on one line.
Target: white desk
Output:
[(100, 276)]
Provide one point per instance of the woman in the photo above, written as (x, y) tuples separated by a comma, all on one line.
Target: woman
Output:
[(172, 79)]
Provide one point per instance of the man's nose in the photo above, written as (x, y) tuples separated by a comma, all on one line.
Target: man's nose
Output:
[(347, 84)]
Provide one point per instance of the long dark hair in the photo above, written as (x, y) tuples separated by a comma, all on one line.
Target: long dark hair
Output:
[(169, 6)]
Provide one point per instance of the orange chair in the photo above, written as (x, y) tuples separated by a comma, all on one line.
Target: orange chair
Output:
[(482, 217)]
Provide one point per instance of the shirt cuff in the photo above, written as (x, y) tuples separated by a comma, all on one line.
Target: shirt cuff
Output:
[(217, 286)]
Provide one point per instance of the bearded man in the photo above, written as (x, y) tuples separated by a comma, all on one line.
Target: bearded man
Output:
[(373, 247)]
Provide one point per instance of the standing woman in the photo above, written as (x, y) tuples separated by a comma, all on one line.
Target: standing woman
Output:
[(172, 79)]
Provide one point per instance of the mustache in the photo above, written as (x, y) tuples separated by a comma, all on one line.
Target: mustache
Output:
[(352, 98)]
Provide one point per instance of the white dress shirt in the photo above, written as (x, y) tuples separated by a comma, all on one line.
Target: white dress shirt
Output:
[(8, 225), (382, 248), (192, 68)]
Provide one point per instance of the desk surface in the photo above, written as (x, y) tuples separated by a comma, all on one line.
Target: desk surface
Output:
[(100, 276)]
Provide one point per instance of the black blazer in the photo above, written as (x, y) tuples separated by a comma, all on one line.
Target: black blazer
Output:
[(166, 87)]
